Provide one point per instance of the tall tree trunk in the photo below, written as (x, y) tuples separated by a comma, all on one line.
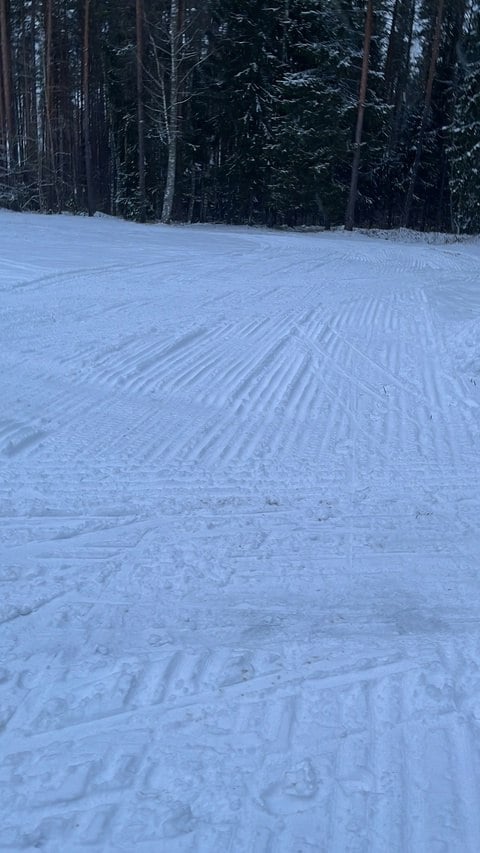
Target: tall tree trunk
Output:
[(50, 80), (426, 111), (48, 95), (391, 53), (7, 82), (172, 124), (35, 105), (285, 26), (86, 109), (25, 110), (3, 129), (352, 199), (142, 212), (403, 74)]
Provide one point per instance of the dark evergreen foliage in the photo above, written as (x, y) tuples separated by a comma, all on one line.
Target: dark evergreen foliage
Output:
[(248, 108)]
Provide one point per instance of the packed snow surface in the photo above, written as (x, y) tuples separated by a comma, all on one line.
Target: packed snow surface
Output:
[(239, 550)]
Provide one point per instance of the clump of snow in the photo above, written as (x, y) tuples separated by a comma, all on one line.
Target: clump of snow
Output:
[(408, 235)]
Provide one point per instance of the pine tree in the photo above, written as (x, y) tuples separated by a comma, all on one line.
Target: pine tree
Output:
[(140, 23), (241, 111), (352, 198), (239, 82), (464, 149), (314, 112)]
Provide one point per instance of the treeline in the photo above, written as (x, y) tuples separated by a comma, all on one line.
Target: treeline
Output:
[(250, 111)]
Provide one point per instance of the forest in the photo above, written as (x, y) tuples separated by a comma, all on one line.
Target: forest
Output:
[(284, 113)]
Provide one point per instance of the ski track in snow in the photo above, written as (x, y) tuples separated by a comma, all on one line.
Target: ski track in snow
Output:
[(239, 546)]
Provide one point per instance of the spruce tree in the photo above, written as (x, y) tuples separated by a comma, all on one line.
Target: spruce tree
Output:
[(464, 149)]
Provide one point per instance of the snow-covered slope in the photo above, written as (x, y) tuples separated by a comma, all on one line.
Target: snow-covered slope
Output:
[(239, 541)]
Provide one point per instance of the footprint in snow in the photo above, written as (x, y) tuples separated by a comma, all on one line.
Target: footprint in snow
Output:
[(181, 822), (295, 792)]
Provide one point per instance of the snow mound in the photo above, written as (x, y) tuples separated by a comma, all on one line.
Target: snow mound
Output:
[(406, 235)]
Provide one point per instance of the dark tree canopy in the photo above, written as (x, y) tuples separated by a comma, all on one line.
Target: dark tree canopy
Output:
[(243, 111)]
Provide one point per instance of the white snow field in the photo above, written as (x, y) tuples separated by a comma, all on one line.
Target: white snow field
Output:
[(239, 540)]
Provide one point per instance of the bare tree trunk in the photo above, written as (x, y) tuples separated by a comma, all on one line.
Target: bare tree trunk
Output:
[(3, 129), (172, 124), (403, 73), (140, 114), (352, 199), (426, 111), (86, 109), (285, 23), (24, 109), (7, 82), (35, 106), (48, 143), (390, 60)]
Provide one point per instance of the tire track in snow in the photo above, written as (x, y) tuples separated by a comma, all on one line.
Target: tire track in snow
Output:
[(137, 367), (206, 723), (398, 723), (331, 354), (439, 393), (77, 274), (168, 373), (386, 812), (387, 312), (234, 385), (112, 695), (389, 372), (18, 438), (466, 766), (393, 423), (191, 365), (291, 784), (254, 389), (346, 775), (335, 370)]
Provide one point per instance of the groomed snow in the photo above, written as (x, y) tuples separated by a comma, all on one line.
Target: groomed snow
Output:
[(239, 540)]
